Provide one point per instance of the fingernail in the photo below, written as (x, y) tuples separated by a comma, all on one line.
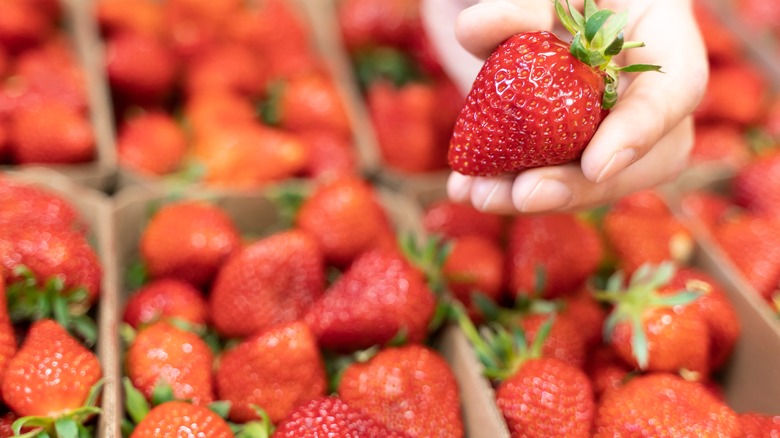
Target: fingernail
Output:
[(459, 187), (482, 192), (618, 162), (548, 194)]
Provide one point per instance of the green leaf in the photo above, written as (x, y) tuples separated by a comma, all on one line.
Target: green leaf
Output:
[(253, 430), (635, 68), (639, 346), (221, 408), (542, 335), (486, 306), (127, 427), (440, 315), (615, 47), (610, 323), (566, 20), (137, 275), (60, 311), (94, 393), (162, 392), (135, 403), (269, 109), (578, 49), (579, 20), (590, 9), (681, 298), (616, 281), (400, 338), (595, 22), (85, 328), (613, 28), (66, 428), (127, 333)]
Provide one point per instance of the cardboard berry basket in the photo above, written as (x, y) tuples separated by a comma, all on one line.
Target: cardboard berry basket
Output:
[(101, 172), (95, 209), (256, 214)]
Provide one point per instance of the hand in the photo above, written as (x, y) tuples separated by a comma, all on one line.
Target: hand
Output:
[(644, 141)]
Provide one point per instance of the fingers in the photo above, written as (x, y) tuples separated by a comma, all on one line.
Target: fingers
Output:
[(482, 27), (653, 103), (561, 188)]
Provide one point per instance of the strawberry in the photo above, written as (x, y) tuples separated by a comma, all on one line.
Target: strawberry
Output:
[(22, 202), (276, 370), (210, 110), (535, 244), (308, 101), (331, 155), (751, 244), (721, 142), (756, 425), (410, 389), (654, 324), (755, 186), (22, 25), (537, 100), (366, 23), (177, 418), (151, 143), (587, 313), (710, 209), (474, 265), (163, 354), (638, 236), (50, 252), (51, 132), (331, 416), (758, 15), (736, 92), (537, 396), (6, 421), (274, 280), (379, 297), (7, 334), (229, 67), (453, 220), (345, 218), (404, 119), (565, 341), (51, 375), (138, 16), (661, 404), (163, 299), (721, 43), (606, 370), (188, 240), (148, 81)]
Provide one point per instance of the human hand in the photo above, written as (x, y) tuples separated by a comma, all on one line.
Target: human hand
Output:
[(644, 141)]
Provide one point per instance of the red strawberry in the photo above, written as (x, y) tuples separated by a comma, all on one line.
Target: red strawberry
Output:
[(736, 92), (331, 155), (755, 425), (277, 370), (588, 314), (23, 202), (722, 142), (311, 101), (188, 240), (709, 208), (657, 327), (23, 25), (151, 143), (331, 416), (607, 370), (6, 421), (756, 186), (52, 252), (147, 81), (380, 296), (51, 132), (410, 389), (344, 217), (138, 16), (751, 244), (474, 265), (721, 43), (758, 15), (229, 67), (365, 23), (535, 242), (457, 220), (164, 354), (662, 404), (51, 374), (210, 110), (274, 280), (177, 418), (166, 298), (537, 100), (565, 341), (7, 334)]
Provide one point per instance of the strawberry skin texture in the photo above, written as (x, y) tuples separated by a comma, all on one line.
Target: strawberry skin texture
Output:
[(756, 186), (51, 374), (410, 389), (189, 241), (474, 265), (7, 334), (545, 398), (380, 295), (661, 404), (181, 419), (331, 416), (166, 298), (162, 352), (533, 104), (33, 204), (274, 280), (453, 220), (276, 370), (51, 132), (566, 341), (152, 143), (751, 244), (756, 425)]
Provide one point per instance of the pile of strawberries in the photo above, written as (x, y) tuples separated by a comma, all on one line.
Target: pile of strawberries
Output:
[(412, 104), (50, 281), (44, 114), (611, 334), (319, 326), (227, 93)]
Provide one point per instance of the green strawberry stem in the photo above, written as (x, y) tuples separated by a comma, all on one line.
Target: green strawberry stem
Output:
[(597, 38), (68, 425), (429, 258), (640, 295), (502, 351)]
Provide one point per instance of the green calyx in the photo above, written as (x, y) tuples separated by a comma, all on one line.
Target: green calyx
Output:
[(68, 425), (598, 37), (502, 350), (641, 294)]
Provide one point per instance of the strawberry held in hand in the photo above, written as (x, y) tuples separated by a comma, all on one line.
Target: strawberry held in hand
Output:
[(537, 100)]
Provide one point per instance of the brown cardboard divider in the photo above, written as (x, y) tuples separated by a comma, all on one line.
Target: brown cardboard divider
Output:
[(95, 209)]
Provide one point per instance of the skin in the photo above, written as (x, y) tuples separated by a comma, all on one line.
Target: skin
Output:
[(624, 155)]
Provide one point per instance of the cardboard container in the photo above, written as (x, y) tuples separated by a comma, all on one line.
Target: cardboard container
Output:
[(95, 209), (100, 173)]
